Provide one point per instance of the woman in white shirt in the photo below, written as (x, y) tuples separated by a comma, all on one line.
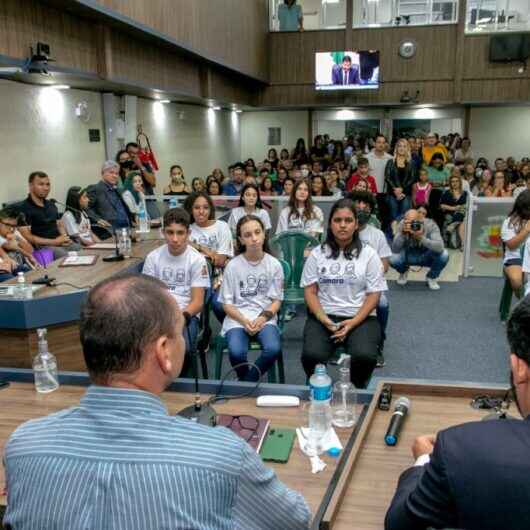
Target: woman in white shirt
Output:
[(514, 233), (249, 204), (75, 220), (134, 194), (343, 281), (251, 294), (300, 213), (213, 239)]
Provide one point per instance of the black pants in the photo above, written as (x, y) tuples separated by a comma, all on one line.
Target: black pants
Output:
[(361, 343)]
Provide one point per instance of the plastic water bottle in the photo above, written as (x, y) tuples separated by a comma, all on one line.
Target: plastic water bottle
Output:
[(22, 290), (173, 202), (319, 408), (125, 243), (344, 398), (45, 366), (142, 220)]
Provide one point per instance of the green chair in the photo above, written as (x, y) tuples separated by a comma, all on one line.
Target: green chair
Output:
[(220, 346), (291, 246)]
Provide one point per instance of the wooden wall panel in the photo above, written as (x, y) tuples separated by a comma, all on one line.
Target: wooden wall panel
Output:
[(496, 91), (232, 89), (233, 32), (25, 22)]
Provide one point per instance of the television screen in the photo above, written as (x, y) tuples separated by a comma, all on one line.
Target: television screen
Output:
[(347, 70), (513, 47)]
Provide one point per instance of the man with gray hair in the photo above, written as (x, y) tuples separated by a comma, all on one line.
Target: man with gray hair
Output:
[(106, 201), (118, 459)]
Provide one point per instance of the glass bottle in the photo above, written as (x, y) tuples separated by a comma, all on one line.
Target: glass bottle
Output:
[(45, 366), (344, 398)]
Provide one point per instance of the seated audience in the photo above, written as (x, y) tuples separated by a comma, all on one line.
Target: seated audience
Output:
[(252, 294), (177, 183), (43, 227), (133, 195), (218, 175), (299, 155), (319, 187), (526, 267), (421, 189), (213, 239), (400, 175), (150, 469), (514, 233), (438, 171), (233, 186), (362, 173), (334, 183), (418, 243), (300, 213), (278, 183), (464, 152), (213, 187), (272, 158), (500, 188), (75, 219), (483, 183), (431, 147), (342, 281), (106, 201), (525, 184), (454, 203), (123, 159), (183, 269), (267, 186), (475, 475), (288, 185), (249, 204), (197, 185)]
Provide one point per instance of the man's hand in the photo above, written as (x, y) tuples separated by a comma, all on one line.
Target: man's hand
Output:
[(405, 229), (103, 223), (344, 328), (417, 234), (259, 324), (250, 327), (423, 445)]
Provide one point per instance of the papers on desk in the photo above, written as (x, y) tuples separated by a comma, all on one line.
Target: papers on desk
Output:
[(78, 261), (8, 291), (103, 246)]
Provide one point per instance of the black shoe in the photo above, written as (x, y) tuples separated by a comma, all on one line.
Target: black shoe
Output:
[(380, 357)]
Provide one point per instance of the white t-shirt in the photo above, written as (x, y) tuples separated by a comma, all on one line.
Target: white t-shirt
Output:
[(372, 236), (526, 265), (216, 237), (251, 288), (239, 212), (508, 232), (290, 222), (343, 284), (377, 168), (73, 228), (179, 273)]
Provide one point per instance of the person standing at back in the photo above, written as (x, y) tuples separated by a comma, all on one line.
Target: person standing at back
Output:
[(378, 158), (290, 16), (119, 460)]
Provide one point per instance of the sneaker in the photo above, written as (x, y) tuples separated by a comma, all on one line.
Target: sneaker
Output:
[(433, 284), (403, 278), (380, 360), (289, 315)]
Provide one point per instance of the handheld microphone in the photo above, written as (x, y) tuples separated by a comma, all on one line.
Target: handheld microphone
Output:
[(401, 410)]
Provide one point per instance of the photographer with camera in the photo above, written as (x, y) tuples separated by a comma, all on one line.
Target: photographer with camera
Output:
[(418, 243)]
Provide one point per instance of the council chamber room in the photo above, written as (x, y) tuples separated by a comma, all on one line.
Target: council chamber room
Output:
[(264, 264)]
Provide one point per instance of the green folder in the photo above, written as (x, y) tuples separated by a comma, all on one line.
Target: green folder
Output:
[(277, 445)]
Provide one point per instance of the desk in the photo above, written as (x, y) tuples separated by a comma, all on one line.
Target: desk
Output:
[(25, 404), (58, 308)]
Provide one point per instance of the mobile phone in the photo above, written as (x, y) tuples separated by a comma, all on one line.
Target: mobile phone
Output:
[(3, 384)]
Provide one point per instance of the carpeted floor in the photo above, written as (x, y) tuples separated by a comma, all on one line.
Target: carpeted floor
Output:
[(453, 334)]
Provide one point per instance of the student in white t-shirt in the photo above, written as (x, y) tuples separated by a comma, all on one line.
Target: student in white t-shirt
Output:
[(300, 213), (343, 281), (514, 233), (211, 238), (249, 204), (251, 294), (185, 272), (364, 203), (76, 221), (526, 266)]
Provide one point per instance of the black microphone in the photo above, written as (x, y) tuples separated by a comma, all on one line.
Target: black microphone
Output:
[(117, 256), (401, 410)]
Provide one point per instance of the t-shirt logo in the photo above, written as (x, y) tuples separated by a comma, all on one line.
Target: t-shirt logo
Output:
[(350, 269), (335, 268), (323, 270), (251, 281), (263, 283)]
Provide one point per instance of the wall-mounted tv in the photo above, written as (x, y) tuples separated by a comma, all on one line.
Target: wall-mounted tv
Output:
[(347, 70)]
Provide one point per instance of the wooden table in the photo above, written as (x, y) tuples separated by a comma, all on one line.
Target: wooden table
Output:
[(20, 402), (370, 476), (57, 308)]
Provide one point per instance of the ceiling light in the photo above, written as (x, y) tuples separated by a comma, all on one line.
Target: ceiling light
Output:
[(61, 87), (239, 111), (165, 101), (216, 108)]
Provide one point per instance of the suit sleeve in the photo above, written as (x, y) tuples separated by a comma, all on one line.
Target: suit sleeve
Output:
[(423, 497), (92, 201)]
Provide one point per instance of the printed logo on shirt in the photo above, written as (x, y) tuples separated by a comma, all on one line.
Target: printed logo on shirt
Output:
[(204, 271), (207, 241), (174, 277), (263, 283), (335, 268)]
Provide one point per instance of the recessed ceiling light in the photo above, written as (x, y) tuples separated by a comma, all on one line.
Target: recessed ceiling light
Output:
[(61, 87), (216, 108), (239, 111), (165, 101)]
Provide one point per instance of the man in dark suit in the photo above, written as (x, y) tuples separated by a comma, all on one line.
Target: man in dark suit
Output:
[(106, 201), (346, 74), (475, 475)]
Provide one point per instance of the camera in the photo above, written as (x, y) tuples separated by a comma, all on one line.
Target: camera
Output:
[(416, 226)]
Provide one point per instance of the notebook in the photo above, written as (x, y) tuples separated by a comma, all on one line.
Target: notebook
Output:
[(257, 439)]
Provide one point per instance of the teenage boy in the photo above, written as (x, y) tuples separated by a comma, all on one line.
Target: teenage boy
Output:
[(363, 170), (183, 269)]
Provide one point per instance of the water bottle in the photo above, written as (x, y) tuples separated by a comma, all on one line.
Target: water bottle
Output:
[(125, 243), (173, 202), (22, 290), (344, 398), (142, 220), (319, 408), (45, 366)]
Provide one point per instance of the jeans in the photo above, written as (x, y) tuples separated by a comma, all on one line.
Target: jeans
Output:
[(190, 333), (382, 311), (422, 257), (212, 296), (398, 208), (238, 341)]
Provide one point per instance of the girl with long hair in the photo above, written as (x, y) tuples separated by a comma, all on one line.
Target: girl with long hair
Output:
[(267, 186), (319, 187), (249, 204), (343, 281), (251, 294), (177, 183), (134, 196), (501, 186), (76, 221), (453, 204), (300, 213), (299, 154)]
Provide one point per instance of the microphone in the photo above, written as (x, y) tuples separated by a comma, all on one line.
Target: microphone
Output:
[(401, 410), (117, 256)]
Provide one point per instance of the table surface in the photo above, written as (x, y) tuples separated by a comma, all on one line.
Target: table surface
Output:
[(378, 467), (20, 402)]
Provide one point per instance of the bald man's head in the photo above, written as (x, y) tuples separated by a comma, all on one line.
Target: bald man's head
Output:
[(411, 215)]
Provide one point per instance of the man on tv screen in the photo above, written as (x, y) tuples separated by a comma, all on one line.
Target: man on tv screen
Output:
[(345, 73)]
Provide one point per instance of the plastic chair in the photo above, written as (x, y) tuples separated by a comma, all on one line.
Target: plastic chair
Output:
[(292, 246), (221, 346)]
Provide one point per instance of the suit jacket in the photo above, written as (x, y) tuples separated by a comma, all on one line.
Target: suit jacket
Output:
[(477, 479), (353, 75)]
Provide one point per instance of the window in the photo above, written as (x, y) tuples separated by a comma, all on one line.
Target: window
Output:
[(487, 16), (317, 14), (380, 13)]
